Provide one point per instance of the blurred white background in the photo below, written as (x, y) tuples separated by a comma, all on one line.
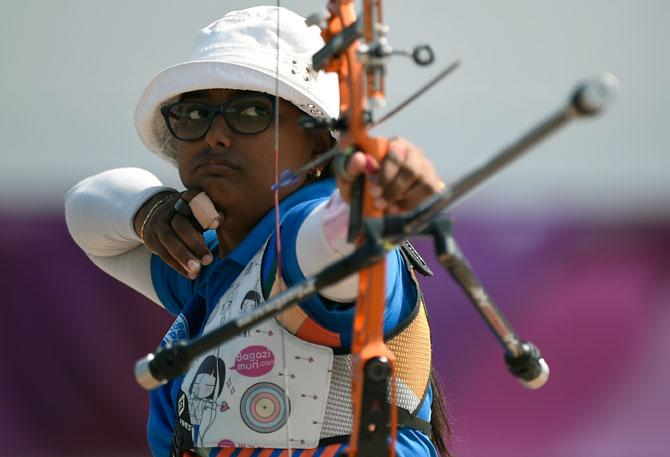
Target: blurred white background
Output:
[(72, 72)]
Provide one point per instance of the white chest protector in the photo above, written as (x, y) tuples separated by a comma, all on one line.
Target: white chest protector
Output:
[(268, 388), (263, 388)]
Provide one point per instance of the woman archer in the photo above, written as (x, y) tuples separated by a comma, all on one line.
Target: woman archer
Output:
[(217, 117)]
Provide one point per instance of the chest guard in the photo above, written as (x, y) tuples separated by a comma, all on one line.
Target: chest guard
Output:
[(268, 388), (255, 388)]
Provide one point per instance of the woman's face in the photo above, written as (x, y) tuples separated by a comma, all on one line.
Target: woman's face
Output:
[(236, 170)]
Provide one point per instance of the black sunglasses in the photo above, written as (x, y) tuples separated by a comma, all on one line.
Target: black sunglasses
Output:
[(247, 114)]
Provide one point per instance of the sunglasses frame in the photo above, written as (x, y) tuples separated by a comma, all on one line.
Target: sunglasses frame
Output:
[(219, 109)]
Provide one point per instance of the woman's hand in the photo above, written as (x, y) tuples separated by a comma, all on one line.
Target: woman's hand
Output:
[(404, 179), (174, 238)]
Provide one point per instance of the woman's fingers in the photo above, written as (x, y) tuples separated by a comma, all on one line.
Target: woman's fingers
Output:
[(404, 179), (178, 251), (154, 244), (421, 190), (401, 172), (176, 239), (192, 238), (393, 163)]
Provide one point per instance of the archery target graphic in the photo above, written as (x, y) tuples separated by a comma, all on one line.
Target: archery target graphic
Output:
[(265, 407)]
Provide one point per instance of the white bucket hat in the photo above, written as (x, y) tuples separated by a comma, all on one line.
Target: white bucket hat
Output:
[(239, 51)]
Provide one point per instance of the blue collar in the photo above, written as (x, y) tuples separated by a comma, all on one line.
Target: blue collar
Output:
[(245, 251)]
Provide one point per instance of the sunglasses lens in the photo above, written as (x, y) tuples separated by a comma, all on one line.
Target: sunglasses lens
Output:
[(248, 115), (189, 121)]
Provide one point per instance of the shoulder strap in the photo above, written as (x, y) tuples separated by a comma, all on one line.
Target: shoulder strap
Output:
[(408, 420)]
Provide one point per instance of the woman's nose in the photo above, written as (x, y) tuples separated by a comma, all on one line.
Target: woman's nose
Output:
[(219, 134)]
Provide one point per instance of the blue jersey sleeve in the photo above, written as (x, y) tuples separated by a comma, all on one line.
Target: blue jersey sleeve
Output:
[(337, 317), (173, 289)]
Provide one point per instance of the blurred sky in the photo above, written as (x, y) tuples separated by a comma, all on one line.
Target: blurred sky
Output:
[(72, 72)]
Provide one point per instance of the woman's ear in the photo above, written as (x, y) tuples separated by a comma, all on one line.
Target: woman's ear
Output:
[(323, 141)]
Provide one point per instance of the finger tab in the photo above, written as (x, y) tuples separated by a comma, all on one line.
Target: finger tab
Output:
[(204, 211)]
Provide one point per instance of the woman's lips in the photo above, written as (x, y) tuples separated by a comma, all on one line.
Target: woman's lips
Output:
[(217, 166)]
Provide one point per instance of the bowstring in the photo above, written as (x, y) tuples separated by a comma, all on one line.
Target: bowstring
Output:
[(276, 155), (278, 277)]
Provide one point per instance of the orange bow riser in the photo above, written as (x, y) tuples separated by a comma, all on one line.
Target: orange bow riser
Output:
[(373, 361)]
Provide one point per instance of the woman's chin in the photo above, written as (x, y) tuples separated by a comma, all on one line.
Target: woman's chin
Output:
[(220, 191)]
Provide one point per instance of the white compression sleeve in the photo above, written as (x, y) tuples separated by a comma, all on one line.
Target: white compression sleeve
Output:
[(321, 240), (99, 213), (99, 210), (133, 268)]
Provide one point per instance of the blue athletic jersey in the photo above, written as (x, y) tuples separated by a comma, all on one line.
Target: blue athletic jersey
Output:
[(193, 300)]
